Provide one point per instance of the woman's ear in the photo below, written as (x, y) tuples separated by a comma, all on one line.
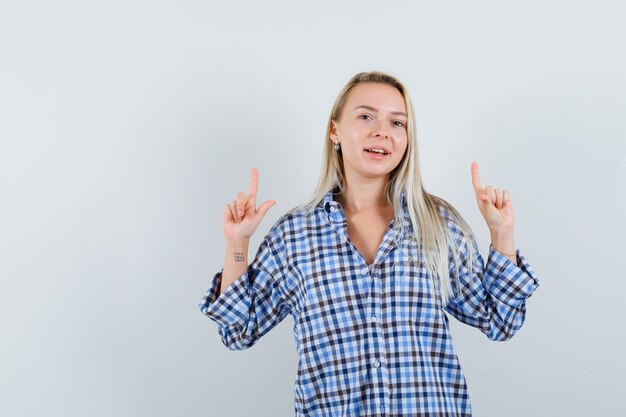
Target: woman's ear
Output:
[(333, 131)]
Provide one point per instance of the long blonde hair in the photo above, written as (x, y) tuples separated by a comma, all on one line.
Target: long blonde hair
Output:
[(429, 224)]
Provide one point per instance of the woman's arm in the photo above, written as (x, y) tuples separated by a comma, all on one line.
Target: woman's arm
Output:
[(503, 243), (492, 296), (256, 300), (241, 218), (247, 301), (235, 261)]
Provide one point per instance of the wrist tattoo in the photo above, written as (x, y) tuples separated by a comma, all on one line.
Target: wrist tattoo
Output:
[(239, 256)]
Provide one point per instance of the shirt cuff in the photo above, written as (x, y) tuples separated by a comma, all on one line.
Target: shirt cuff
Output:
[(510, 283), (231, 307)]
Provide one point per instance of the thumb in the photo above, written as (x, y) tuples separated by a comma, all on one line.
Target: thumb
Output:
[(484, 203), (483, 198), (264, 207)]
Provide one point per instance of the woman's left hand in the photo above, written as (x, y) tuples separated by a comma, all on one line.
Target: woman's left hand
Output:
[(494, 204)]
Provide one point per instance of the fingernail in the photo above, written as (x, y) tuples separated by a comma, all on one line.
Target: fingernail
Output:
[(240, 213)]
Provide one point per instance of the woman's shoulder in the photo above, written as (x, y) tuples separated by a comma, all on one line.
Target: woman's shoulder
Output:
[(295, 221), (446, 210), (455, 224), (458, 229)]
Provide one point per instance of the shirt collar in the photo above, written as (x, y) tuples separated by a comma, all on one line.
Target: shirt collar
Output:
[(329, 202), (337, 216), (328, 199)]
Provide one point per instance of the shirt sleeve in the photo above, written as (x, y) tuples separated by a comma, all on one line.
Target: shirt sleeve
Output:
[(490, 297), (256, 301)]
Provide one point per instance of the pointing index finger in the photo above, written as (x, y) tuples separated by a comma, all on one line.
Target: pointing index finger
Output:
[(476, 178), (254, 186)]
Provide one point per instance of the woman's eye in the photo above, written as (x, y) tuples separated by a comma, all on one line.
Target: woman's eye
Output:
[(397, 122)]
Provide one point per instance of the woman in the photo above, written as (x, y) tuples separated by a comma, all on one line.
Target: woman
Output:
[(368, 267)]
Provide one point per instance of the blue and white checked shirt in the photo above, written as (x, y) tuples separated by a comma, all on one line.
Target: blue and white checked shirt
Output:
[(372, 340)]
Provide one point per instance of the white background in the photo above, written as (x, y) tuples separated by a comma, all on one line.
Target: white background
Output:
[(126, 126)]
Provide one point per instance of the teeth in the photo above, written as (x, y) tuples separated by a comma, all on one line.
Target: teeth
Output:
[(377, 150)]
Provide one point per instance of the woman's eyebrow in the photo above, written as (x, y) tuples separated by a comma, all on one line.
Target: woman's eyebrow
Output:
[(363, 106)]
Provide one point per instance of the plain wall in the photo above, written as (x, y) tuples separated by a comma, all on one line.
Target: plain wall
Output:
[(127, 126)]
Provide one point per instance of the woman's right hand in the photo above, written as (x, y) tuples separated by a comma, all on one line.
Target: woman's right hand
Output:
[(241, 216)]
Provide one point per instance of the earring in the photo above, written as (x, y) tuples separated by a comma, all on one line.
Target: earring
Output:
[(337, 146)]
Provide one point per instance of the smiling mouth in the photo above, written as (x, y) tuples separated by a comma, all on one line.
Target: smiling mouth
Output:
[(376, 153)]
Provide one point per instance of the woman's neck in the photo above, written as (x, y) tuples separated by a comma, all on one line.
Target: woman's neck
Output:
[(363, 196)]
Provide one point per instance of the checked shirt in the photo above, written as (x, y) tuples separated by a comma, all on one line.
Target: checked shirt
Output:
[(372, 340)]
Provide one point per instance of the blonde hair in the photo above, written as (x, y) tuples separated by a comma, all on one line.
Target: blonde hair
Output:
[(429, 224)]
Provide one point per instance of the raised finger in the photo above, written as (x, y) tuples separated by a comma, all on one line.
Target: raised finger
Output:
[(254, 187), (476, 178)]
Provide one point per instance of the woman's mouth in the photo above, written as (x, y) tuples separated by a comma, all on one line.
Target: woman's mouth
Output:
[(376, 155)]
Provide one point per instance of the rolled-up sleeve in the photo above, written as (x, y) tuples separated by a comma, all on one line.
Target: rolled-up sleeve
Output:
[(510, 283), (490, 297), (256, 301)]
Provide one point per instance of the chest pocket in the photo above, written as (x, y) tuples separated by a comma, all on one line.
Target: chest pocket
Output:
[(411, 289)]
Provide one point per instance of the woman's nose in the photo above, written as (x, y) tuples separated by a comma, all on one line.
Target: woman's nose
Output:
[(380, 129)]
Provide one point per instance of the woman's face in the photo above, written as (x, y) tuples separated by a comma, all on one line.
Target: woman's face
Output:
[(374, 116)]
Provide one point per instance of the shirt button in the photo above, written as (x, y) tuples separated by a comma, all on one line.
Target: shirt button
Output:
[(365, 272), (373, 319), (382, 407), (377, 364)]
